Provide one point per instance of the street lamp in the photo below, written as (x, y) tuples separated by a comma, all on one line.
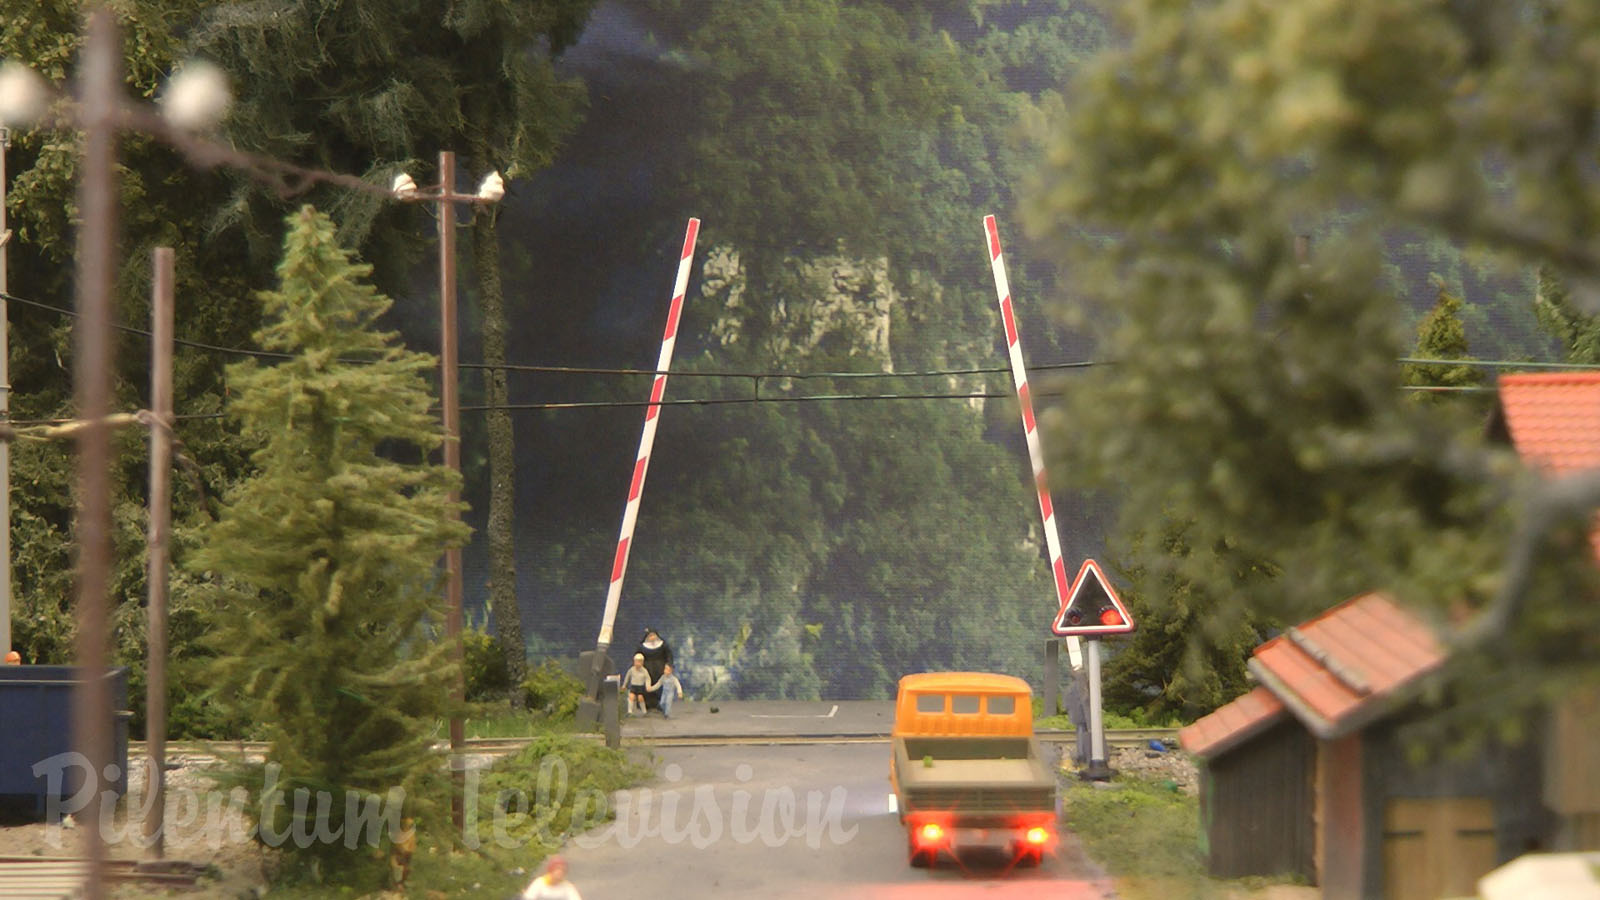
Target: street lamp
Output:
[(490, 190)]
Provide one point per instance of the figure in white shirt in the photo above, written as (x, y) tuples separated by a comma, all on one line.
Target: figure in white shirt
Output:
[(553, 884)]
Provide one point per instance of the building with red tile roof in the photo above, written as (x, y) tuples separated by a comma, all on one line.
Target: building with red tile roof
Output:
[(1554, 419), (1310, 772)]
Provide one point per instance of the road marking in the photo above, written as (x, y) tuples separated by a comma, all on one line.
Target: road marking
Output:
[(819, 716)]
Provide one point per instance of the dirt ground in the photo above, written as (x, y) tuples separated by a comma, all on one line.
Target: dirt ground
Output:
[(192, 834)]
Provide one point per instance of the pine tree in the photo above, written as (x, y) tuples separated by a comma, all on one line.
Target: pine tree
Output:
[(323, 561), (1578, 332), (1191, 651), (1441, 335)]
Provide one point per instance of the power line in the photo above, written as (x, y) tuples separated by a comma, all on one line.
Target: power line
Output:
[(725, 401), (767, 375), (129, 329), (577, 370), (1498, 364)]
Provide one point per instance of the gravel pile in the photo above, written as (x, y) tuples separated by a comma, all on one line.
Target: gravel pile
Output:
[(1149, 765)]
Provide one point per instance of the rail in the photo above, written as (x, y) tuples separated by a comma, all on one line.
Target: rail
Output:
[(1116, 737)]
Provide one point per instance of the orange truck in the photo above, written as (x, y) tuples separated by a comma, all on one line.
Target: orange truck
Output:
[(966, 769)]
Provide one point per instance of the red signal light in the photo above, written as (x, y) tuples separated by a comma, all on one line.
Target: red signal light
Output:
[(1110, 616)]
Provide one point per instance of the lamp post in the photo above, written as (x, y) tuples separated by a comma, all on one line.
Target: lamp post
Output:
[(5, 412), (490, 190)]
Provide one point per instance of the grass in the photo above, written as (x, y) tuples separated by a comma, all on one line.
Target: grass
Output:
[(519, 821), (1061, 722), (1147, 836), (505, 723), (1058, 722)]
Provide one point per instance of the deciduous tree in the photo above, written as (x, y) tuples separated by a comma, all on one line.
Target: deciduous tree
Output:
[(1255, 399)]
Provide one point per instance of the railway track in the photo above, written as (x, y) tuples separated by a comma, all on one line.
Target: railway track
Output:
[(52, 878), (1115, 737)]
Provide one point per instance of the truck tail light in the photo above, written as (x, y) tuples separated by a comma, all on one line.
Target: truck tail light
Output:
[(1038, 836), (930, 833)]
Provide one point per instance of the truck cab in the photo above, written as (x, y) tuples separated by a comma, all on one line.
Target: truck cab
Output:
[(966, 768)]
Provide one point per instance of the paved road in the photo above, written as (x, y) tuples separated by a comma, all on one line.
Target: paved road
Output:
[(715, 824), (761, 718)]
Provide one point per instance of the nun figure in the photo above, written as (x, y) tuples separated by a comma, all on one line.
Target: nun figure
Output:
[(657, 656)]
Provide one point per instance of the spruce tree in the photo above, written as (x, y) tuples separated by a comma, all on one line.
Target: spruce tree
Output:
[(1578, 331), (323, 561), (1441, 335)]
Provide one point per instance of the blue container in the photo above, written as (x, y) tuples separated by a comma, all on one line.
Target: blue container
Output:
[(36, 725)]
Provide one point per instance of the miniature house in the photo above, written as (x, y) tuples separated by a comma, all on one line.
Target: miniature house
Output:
[(1309, 773)]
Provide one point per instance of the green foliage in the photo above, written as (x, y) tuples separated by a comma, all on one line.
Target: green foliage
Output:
[(373, 86), (162, 202), (553, 692), (848, 150), (1189, 653), (1442, 336), (1254, 404), (555, 786), (544, 789), (1577, 331), (895, 554), (321, 567), (485, 667)]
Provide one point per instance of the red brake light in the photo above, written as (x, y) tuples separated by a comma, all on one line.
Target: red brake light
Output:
[(1038, 835), (930, 833), (1110, 617)]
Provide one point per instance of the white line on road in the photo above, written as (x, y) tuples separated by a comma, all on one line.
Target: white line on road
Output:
[(829, 715)]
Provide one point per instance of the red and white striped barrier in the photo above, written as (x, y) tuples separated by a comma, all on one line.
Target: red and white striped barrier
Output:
[(641, 463), (1019, 374)]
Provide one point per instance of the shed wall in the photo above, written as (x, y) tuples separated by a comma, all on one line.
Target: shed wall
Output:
[(1509, 777), (1256, 806)]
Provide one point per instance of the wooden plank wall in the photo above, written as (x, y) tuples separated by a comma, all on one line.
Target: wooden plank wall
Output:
[(1258, 812)]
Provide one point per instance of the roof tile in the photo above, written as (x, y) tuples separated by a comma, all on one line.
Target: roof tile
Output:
[(1554, 420), (1349, 660), (1232, 724)]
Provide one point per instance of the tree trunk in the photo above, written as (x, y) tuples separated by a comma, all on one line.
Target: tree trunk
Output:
[(507, 613)]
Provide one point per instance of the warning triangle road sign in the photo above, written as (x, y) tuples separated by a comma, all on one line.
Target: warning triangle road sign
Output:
[(1092, 607)]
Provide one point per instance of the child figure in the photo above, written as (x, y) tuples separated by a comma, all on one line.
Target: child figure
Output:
[(637, 682), (552, 885), (670, 687)]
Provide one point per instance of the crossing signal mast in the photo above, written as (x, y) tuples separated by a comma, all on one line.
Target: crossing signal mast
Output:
[(1091, 611)]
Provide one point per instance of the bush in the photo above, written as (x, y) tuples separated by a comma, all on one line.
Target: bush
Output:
[(552, 691), (485, 667)]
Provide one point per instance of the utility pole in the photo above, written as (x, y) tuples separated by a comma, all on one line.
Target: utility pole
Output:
[(97, 202), (449, 398), (161, 314), (489, 191), (5, 412)]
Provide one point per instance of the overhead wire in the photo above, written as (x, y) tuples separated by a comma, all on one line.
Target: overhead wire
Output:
[(758, 376)]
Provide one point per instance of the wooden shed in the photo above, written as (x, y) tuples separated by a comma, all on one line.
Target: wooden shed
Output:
[(1309, 774), (1256, 801)]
